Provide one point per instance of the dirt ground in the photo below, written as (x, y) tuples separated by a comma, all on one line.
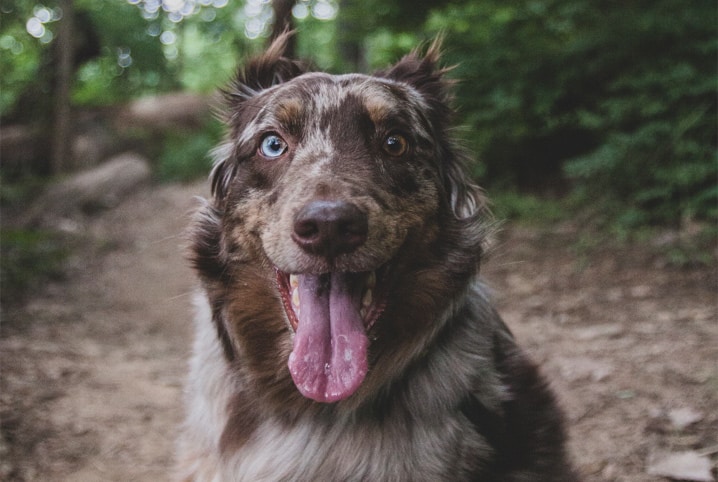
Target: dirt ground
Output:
[(92, 367)]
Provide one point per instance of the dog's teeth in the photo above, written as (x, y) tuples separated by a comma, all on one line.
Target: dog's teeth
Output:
[(366, 299), (293, 280), (371, 280), (362, 312), (295, 297)]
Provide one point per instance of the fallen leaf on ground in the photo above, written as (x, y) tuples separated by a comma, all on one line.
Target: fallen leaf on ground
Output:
[(688, 465), (683, 417)]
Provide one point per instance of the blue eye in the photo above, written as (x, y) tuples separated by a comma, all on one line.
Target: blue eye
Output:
[(272, 146)]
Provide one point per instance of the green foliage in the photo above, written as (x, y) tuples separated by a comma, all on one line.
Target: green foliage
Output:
[(19, 62), (185, 156), (615, 98), (120, 54), (21, 56), (28, 259), (316, 41), (385, 46), (130, 61), (207, 48), (657, 121), (528, 208)]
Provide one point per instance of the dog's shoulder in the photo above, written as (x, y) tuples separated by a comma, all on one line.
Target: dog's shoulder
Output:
[(525, 429)]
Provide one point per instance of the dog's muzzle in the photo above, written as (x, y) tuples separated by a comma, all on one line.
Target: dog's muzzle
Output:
[(330, 312)]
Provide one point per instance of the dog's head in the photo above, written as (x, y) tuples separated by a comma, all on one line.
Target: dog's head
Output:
[(345, 199)]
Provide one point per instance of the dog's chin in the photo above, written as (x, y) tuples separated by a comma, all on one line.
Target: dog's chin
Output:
[(331, 315)]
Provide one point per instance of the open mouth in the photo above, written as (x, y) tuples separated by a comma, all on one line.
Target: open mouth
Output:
[(331, 314)]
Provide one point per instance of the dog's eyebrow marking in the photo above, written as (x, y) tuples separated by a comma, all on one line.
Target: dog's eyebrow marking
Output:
[(256, 123), (289, 111), (378, 107)]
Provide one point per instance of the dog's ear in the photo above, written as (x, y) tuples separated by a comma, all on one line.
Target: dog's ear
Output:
[(223, 170), (424, 73), (269, 69)]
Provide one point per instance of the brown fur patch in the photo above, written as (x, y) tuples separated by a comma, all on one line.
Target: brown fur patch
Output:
[(289, 114), (379, 109)]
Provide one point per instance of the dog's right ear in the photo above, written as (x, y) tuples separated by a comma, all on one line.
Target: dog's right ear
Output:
[(269, 69), (260, 73)]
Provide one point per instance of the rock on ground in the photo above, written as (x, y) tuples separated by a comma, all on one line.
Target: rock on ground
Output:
[(101, 187)]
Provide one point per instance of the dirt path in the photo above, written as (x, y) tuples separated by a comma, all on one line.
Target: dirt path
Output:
[(630, 345), (92, 380), (92, 367)]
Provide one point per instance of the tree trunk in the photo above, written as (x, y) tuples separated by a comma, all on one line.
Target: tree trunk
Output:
[(350, 35), (62, 116), (282, 23)]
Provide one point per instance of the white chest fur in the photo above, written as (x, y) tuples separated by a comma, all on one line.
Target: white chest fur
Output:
[(404, 447), (346, 451)]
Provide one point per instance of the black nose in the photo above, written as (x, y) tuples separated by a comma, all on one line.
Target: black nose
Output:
[(330, 228)]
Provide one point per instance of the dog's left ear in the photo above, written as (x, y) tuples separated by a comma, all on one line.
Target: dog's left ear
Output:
[(424, 73)]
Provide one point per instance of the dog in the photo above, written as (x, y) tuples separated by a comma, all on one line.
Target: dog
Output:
[(343, 333)]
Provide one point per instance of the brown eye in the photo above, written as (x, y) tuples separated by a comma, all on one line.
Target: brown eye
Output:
[(395, 145)]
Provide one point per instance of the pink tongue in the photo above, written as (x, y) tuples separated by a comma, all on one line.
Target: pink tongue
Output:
[(329, 359)]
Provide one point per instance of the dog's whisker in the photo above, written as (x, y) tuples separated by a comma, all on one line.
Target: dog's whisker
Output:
[(186, 294), (171, 237)]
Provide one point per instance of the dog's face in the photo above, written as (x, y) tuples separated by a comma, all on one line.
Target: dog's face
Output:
[(338, 201), (345, 154)]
